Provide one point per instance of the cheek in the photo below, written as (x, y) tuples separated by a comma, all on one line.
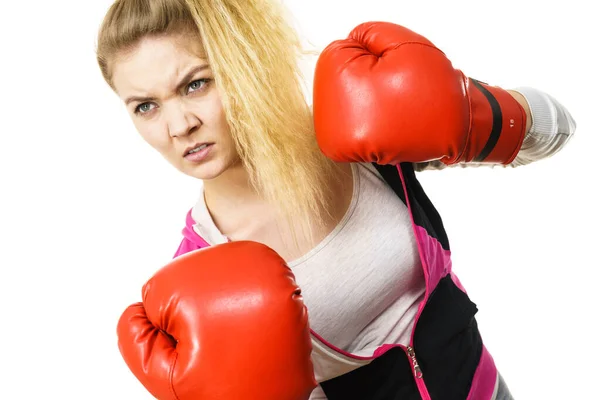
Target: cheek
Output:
[(220, 120), (154, 134)]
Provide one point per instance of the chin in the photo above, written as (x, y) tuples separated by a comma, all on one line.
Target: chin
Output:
[(206, 171)]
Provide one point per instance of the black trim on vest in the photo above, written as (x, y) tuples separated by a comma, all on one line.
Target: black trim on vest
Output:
[(390, 174), (424, 213), (496, 124)]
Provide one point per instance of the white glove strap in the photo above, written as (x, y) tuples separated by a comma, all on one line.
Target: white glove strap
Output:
[(552, 127)]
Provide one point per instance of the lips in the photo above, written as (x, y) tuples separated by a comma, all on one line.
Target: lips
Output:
[(195, 148)]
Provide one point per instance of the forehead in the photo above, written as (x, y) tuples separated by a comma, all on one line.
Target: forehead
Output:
[(156, 62)]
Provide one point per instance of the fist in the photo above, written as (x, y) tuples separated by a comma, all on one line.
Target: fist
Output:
[(225, 322), (388, 95)]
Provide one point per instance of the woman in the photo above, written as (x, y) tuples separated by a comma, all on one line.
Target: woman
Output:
[(214, 87)]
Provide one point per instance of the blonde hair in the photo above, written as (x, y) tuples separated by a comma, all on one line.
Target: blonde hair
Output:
[(253, 52)]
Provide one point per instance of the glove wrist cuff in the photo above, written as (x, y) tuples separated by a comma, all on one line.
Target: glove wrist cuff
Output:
[(497, 126)]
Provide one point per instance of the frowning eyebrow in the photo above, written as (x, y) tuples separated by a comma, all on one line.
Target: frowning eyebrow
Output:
[(184, 81)]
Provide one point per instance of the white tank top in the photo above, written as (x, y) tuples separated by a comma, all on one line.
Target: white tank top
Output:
[(362, 284)]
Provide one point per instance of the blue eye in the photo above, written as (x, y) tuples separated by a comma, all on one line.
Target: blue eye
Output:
[(143, 108), (197, 85)]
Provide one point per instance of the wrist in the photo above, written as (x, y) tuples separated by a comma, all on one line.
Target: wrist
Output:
[(523, 102)]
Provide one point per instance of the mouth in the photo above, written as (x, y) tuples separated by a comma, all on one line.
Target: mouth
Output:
[(196, 148)]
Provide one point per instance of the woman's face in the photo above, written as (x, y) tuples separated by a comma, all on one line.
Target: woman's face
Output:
[(169, 91)]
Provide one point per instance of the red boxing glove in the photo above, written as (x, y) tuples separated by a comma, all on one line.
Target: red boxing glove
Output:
[(387, 95), (225, 322)]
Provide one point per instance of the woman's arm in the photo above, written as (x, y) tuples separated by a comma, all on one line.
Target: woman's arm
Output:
[(549, 128)]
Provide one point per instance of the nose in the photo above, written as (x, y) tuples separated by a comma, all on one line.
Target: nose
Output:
[(181, 121)]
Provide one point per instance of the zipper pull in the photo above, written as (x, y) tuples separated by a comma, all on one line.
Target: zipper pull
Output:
[(416, 367)]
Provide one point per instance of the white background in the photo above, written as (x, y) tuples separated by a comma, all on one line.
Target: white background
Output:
[(89, 211)]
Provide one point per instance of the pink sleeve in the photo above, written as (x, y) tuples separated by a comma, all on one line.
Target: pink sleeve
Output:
[(191, 240), (185, 247)]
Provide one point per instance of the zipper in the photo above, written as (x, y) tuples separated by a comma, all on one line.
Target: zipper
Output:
[(416, 368), (418, 373)]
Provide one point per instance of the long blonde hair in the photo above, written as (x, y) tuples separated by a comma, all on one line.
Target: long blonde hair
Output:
[(253, 52)]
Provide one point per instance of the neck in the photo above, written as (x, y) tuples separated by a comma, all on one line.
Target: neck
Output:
[(232, 201), (229, 188)]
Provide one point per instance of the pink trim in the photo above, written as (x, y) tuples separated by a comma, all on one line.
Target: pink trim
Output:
[(381, 350), (191, 240), (439, 261), (484, 380), (185, 246), (420, 247), (191, 234)]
